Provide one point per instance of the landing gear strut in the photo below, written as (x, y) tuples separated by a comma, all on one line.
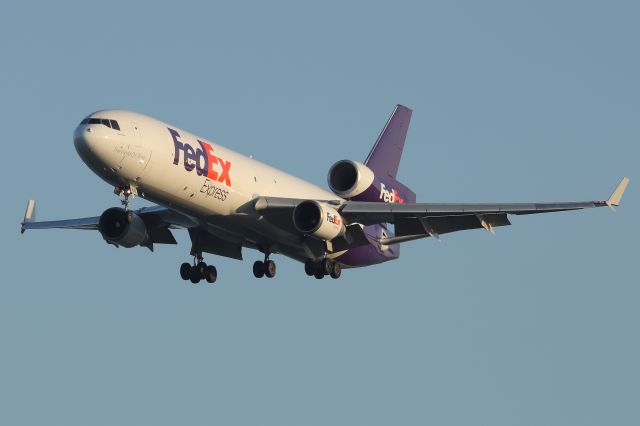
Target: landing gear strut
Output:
[(324, 267), (198, 271), (264, 269), (126, 192)]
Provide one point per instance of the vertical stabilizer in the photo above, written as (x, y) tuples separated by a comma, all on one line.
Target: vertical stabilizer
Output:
[(385, 155)]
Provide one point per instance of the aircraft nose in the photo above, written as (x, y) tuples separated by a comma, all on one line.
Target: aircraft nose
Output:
[(84, 140), (94, 145)]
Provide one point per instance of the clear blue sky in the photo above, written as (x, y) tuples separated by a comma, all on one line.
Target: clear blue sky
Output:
[(513, 101)]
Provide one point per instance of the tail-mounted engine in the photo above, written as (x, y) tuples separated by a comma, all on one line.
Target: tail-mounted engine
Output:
[(355, 181), (319, 220), (348, 178), (123, 228)]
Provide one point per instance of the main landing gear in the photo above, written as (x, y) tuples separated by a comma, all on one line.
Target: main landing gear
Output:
[(322, 268), (198, 271), (264, 269)]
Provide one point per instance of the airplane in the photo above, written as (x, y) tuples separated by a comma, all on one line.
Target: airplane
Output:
[(227, 201)]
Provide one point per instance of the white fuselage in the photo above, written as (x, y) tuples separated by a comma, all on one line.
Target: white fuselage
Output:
[(195, 176)]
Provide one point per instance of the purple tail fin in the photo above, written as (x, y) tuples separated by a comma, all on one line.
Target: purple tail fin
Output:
[(384, 157), (383, 160)]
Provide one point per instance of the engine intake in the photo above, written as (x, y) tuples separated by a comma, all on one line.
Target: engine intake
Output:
[(348, 178), (123, 228), (319, 220)]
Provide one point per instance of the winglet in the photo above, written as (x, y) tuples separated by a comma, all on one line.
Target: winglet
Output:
[(614, 199), (29, 214)]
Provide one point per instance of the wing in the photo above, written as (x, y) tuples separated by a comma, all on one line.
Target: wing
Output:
[(417, 220), (158, 220), (29, 221), (152, 214)]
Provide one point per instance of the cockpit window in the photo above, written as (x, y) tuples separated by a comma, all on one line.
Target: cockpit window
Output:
[(104, 121)]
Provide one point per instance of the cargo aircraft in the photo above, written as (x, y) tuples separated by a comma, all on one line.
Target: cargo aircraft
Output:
[(227, 201)]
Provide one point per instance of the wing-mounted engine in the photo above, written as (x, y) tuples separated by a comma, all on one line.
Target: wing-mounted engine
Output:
[(354, 181), (319, 220), (123, 228)]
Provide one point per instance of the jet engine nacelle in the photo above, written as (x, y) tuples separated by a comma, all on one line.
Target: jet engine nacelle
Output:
[(355, 181), (123, 228), (348, 178), (319, 220)]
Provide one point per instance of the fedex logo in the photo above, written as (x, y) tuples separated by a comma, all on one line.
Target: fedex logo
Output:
[(333, 218), (202, 159), (390, 196)]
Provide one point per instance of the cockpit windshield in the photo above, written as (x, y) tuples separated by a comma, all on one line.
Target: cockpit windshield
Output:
[(113, 124)]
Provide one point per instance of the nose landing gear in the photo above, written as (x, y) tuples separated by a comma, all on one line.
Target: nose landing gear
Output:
[(198, 271), (126, 192)]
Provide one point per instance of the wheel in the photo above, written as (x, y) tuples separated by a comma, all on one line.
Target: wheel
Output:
[(258, 269), (202, 268), (309, 267), (185, 271), (326, 266), (194, 275), (319, 275), (337, 270), (270, 268), (210, 274)]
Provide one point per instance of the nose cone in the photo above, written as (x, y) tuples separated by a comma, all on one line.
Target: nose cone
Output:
[(87, 142), (80, 140), (96, 145)]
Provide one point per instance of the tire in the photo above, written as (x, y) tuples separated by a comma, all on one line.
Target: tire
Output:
[(195, 275), (309, 267), (185, 271), (258, 269), (326, 266), (202, 268), (337, 271), (211, 274), (270, 269), (319, 275)]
